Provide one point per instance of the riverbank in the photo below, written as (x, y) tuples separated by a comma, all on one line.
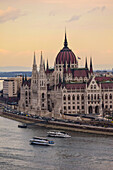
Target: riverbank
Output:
[(60, 125)]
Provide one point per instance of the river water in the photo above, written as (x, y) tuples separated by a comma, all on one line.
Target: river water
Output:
[(80, 152)]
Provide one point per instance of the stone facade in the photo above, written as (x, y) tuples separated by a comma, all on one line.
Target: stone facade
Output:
[(65, 89)]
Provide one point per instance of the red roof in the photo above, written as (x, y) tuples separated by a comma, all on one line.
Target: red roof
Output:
[(103, 79), (66, 55), (80, 72), (107, 85), (75, 86)]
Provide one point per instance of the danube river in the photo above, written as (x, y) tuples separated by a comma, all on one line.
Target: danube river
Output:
[(80, 152)]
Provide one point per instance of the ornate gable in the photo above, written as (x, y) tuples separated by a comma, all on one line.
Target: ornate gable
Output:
[(92, 84)]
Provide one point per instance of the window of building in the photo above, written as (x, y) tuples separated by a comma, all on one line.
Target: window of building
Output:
[(69, 98), (106, 96), (78, 97), (91, 86), (78, 107), (94, 86), (42, 95), (64, 98), (73, 97), (91, 96), (106, 106), (42, 104), (82, 107), (73, 107), (110, 106), (95, 96), (26, 93), (88, 97), (110, 96), (64, 107), (98, 96), (69, 107), (82, 97)]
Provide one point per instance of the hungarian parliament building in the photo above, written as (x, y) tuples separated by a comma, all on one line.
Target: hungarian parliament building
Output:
[(66, 88)]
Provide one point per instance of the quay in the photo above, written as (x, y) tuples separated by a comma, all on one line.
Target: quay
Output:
[(104, 128)]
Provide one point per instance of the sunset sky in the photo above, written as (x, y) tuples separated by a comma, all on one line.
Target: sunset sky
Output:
[(39, 25)]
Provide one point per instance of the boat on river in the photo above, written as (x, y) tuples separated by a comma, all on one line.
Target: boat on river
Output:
[(22, 126), (41, 141), (58, 134)]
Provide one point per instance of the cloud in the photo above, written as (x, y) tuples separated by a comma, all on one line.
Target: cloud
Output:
[(97, 9), (10, 14), (77, 17), (74, 18)]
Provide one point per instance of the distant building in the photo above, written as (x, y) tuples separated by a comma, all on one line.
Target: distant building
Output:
[(9, 88), (66, 88)]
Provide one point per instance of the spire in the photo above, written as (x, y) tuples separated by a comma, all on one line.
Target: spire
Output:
[(34, 63), (22, 79), (44, 64), (91, 67), (86, 66), (41, 60), (25, 77), (65, 41), (47, 65)]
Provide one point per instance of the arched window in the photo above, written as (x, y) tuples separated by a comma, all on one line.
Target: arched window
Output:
[(106, 96), (91, 86), (42, 95), (92, 97), (78, 97), (64, 98), (88, 96), (98, 96), (26, 93), (94, 86), (73, 97), (69, 98), (102, 96), (95, 96), (110, 96), (82, 97)]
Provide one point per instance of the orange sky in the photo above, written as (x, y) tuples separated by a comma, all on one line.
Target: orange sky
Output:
[(39, 25)]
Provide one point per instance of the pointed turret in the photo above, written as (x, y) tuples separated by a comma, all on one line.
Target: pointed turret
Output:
[(86, 66), (41, 60), (25, 77), (22, 79), (41, 63), (47, 68), (65, 41), (44, 64), (34, 62), (91, 67)]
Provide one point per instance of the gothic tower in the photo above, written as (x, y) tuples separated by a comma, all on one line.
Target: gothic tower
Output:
[(34, 85), (42, 87)]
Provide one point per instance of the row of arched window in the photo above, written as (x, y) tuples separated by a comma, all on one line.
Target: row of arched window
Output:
[(73, 97), (93, 96), (26, 93), (107, 96), (97, 96), (93, 86)]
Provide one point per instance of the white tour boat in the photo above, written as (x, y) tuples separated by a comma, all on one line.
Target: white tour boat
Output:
[(41, 141), (58, 134)]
